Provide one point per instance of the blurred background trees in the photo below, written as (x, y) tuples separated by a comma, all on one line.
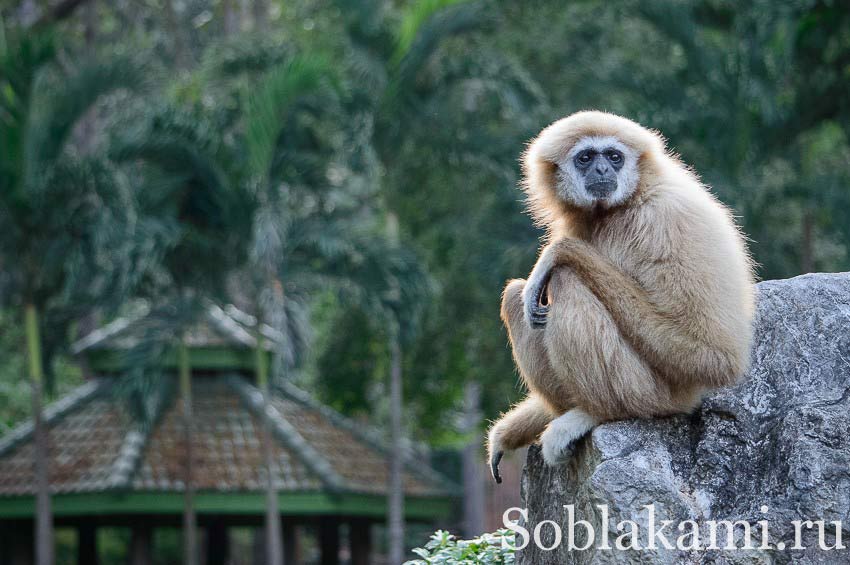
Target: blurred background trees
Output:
[(277, 141)]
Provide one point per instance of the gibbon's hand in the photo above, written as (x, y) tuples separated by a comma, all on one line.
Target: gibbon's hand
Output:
[(534, 297), (495, 459)]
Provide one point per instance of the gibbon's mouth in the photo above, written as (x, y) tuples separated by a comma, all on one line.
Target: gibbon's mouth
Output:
[(602, 189)]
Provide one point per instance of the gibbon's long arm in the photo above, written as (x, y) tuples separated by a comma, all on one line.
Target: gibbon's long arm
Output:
[(520, 426), (660, 339)]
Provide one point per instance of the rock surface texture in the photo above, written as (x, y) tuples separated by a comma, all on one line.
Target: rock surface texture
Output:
[(779, 439)]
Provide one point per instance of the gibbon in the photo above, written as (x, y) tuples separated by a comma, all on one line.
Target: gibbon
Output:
[(641, 301)]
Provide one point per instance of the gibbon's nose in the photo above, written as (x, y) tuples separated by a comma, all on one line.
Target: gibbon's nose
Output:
[(601, 166)]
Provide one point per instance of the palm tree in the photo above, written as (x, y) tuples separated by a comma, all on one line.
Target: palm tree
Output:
[(395, 60), (202, 222), (59, 262), (298, 249), (265, 120), (227, 208)]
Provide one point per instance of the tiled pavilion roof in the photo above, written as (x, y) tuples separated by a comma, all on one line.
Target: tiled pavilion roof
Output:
[(95, 446)]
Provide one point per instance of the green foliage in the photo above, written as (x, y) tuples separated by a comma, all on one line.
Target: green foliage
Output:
[(201, 219), (278, 167), (446, 548), (15, 389), (69, 238), (267, 107), (414, 17), (348, 371)]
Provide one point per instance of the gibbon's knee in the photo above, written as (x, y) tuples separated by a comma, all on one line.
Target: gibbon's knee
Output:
[(526, 343), (512, 302)]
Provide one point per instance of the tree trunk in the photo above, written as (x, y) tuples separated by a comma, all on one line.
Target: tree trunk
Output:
[(90, 23), (181, 50), (86, 128), (261, 15), (274, 544), (244, 14), (230, 17), (396, 486), (807, 253), (473, 475), (43, 515), (190, 525)]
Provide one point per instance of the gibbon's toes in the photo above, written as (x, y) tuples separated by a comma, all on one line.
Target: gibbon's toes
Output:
[(559, 438), (557, 448), (555, 455), (494, 466)]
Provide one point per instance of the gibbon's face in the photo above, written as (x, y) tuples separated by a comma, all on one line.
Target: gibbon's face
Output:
[(597, 171)]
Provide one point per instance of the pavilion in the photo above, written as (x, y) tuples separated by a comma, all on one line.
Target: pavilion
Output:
[(106, 470)]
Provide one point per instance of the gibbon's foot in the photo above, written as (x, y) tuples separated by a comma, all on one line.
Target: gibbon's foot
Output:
[(494, 466), (559, 439)]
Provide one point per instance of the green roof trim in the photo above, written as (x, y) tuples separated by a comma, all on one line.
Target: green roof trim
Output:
[(236, 503)]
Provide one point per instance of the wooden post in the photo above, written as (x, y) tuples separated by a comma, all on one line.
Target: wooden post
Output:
[(218, 543), (360, 541), (87, 544), (329, 540), (290, 543), (140, 545)]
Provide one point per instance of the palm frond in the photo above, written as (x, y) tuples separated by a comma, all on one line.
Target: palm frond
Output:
[(425, 27), (55, 110), (267, 107), (19, 65), (413, 18), (211, 211)]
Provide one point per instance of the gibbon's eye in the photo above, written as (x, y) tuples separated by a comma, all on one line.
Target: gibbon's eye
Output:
[(615, 157), (585, 158)]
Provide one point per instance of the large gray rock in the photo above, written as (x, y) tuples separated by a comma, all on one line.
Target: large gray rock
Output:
[(779, 439)]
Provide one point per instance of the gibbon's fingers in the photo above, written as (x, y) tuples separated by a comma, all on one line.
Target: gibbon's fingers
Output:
[(520, 426), (540, 308), (535, 301), (537, 317), (495, 459)]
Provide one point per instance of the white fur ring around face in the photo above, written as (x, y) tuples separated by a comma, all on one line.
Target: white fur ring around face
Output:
[(559, 438)]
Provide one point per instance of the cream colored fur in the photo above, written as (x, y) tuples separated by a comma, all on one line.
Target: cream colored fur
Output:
[(651, 299)]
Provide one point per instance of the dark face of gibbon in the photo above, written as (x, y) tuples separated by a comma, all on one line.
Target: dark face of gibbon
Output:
[(597, 171)]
